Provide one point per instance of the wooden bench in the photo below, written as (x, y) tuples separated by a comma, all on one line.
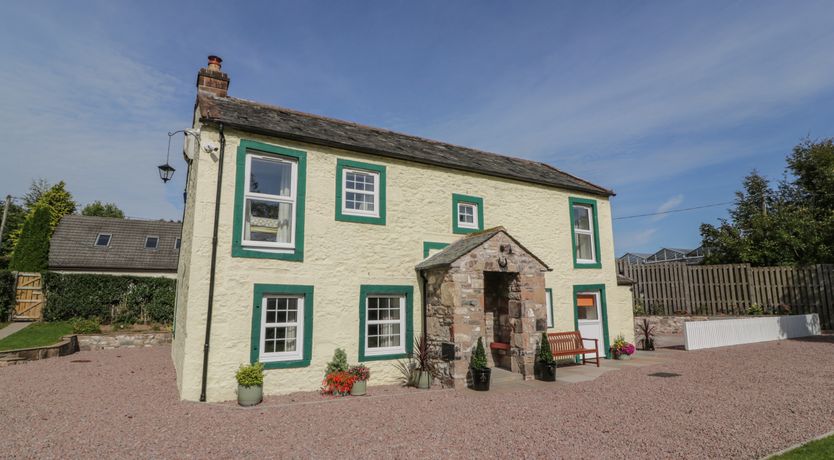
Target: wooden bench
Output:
[(571, 343)]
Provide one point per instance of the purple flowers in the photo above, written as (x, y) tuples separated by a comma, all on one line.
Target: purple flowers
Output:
[(621, 347)]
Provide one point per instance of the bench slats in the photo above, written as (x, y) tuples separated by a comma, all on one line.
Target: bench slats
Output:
[(570, 343)]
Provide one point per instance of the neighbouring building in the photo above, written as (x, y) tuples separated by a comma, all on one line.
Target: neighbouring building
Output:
[(666, 255), (111, 246), (330, 234)]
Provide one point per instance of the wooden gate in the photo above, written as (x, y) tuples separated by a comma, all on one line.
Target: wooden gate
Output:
[(29, 297)]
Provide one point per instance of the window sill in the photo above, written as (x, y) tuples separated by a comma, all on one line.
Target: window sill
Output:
[(382, 357), (586, 264), (262, 253), (358, 219), (286, 364)]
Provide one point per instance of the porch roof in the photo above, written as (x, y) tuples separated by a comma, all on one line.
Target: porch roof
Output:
[(463, 246)]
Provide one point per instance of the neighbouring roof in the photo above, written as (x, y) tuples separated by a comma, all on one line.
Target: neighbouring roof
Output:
[(463, 246), (290, 124), (642, 255), (73, 245)]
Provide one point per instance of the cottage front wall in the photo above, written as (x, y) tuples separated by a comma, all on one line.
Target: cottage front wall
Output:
[(340, 256)]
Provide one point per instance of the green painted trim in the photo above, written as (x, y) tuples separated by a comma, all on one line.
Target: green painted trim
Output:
[(368, 289), (290, 289), (429, 245), (549, 293), (603, 307), (594, 215), (458, 198), (340, 166), (238, 250)]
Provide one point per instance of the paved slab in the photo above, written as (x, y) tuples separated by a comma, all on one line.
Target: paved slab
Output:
[(12, 328)]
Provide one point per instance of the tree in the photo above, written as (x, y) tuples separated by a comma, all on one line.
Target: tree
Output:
[(792, 224), (59, 201), (14, 220), (31, 253), (36, 190), (99, 209)]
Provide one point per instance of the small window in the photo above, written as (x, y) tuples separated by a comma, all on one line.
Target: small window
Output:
[(549, 306), (584, 231), (282, 328), (177, 243), (360, 192), (103, 240), (467, 214), (151, 242), (385, 333)]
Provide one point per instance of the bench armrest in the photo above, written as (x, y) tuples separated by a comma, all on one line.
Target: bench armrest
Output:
[(596, 344)]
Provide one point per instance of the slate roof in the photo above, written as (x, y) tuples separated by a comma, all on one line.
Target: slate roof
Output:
[(463, 246), (73, 245), (304, 127)]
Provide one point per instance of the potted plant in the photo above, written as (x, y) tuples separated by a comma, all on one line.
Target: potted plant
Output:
[(621, 349), (425, 367), (338, 383), (647, 331), (250, 384), (360, 374), (478, 368), (545, 366)]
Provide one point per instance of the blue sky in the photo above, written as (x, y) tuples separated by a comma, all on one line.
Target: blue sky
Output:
[(668, 103)]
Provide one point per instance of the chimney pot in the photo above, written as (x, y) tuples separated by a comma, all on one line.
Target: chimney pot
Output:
[(211, 79)]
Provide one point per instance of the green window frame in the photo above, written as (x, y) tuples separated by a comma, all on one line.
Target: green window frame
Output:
[(366, 290), (428, 246), (603, 309), (551, 322), (259, 148), (592, 204), (380, 171), (459, 199), (262, 290)]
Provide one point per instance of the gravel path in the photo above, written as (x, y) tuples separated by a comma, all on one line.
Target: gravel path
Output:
[(741, 402)]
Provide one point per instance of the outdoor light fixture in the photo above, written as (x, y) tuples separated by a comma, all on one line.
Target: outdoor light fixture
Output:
[(166, 171)]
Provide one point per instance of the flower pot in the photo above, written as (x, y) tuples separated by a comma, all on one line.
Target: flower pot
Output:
[(250, 396), (423, 380), (480, 378), (545, 372), (359, 388)]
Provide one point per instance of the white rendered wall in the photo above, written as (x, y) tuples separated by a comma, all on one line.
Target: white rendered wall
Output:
[(726, 332)]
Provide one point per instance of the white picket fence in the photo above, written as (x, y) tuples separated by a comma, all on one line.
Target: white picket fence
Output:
[(726, 332)]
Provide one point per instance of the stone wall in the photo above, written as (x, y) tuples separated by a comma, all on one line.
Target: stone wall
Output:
[(456, 308), (672, 325), (125, 340)]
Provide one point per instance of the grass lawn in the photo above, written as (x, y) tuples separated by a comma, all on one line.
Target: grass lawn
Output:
[(36, 335), (819, 449)]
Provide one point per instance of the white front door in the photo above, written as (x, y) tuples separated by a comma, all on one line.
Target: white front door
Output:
[(589, 317)]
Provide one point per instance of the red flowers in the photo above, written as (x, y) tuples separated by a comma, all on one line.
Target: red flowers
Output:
[(338, 383)]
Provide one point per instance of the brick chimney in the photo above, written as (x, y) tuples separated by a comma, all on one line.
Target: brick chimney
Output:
[(211, 79)]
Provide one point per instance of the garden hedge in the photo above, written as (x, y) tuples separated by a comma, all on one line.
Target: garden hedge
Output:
[(112, 299), (7, 294)]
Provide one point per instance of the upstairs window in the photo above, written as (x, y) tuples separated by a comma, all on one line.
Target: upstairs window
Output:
[(360, 192), (270, 201), (103, 240), (585, 233), (467, 213), (151, 242)]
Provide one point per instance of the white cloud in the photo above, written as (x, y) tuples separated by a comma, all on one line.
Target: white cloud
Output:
[(667, 205), (635, 239)]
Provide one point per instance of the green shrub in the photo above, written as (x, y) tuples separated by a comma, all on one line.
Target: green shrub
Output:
[(251, 375), (478, 359), (112, 299), (545, 355), (7, 294), (86, 326), (755, 309), (338, 363), (31, 253)]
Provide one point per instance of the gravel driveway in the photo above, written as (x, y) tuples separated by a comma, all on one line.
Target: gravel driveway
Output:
[(744, 401)]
